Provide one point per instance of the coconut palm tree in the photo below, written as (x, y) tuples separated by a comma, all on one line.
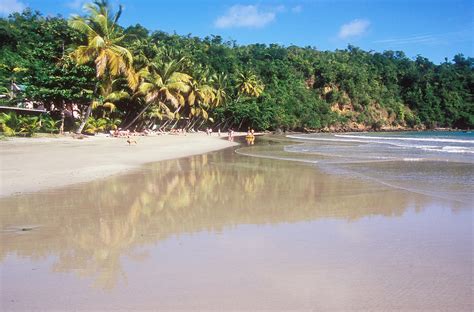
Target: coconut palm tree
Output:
[(103, 46), (248, 84), (220, 83), (164, 87), (200, 97)]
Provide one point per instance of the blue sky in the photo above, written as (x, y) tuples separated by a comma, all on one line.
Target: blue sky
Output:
[(435, 29)]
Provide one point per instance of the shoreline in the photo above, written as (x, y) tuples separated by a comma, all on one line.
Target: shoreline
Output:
[(30, 165), (35, 164), (369, 130)]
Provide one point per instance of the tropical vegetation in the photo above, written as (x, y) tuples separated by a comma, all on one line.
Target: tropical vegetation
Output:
[(110, 77)]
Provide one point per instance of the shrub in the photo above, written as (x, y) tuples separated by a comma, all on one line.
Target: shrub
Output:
[(30, 125), (9, 124), (49, 125)]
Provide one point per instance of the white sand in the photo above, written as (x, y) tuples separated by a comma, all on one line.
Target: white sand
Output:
[(30, 165)]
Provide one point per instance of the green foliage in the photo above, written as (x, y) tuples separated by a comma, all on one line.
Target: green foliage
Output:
[(96, 125), (9, 124), (49, 125), (189, 81), (30, 125), (12, 124)]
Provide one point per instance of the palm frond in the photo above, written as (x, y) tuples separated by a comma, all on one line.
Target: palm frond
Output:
[(117, 96), (97, 42), (80, 25), (110, 106), (101, 63)]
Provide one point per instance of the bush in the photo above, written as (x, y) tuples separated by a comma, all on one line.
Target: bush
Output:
[(411, 120), (95, 125), (12, 124), (30, 125), (9, 124), (376, 125), (49, 125)]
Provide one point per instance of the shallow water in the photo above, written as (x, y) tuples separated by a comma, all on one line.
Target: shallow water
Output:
[(223, 231), (439, 164)]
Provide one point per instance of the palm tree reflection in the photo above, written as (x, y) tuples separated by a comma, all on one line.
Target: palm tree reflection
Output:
[(90, 228)]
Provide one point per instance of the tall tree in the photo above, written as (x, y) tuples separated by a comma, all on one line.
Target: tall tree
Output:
[(163, 87), (103, 47), (248, 84)]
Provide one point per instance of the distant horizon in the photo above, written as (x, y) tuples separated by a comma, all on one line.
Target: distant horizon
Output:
[(432, 29)]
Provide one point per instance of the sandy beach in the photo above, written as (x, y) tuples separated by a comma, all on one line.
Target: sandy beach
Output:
[(34, 164)]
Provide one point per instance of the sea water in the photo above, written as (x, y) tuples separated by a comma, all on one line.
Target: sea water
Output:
[(435, 163), (403, 146)]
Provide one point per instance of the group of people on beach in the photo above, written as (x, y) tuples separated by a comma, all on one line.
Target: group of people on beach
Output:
[(146, 132), (250, 137), (209, 131)]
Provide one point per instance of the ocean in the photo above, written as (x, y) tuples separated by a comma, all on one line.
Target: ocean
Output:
[(434, 163)]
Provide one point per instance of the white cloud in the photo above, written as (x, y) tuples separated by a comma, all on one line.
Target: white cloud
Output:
[(354, 28), (245, 16), (297, 9), (10, 6)]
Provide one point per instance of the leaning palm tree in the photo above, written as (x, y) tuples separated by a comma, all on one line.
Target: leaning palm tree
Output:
[(163, 87), (200, 98), (103, 46)]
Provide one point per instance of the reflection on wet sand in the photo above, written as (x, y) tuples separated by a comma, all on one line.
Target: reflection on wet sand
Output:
[(90, 227)]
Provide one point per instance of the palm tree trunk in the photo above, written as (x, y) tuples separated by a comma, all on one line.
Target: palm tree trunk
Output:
[(188, 123), (63, 115), (202, 123), (136, 117), (227, 125), (84, 121), (165, 124), (241, 122), (194, 123), (177, 120), (61, 128)]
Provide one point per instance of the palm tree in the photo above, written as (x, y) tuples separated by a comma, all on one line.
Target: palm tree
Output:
[(109, 96), (200, 97), (220, 86), (248, 84), (103, 46), (163, 87)]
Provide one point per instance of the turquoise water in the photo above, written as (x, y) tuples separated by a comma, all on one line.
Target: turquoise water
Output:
[(439, 164)]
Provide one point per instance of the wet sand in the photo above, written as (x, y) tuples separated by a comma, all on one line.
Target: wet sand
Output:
[(222, 231), (30, 165)]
